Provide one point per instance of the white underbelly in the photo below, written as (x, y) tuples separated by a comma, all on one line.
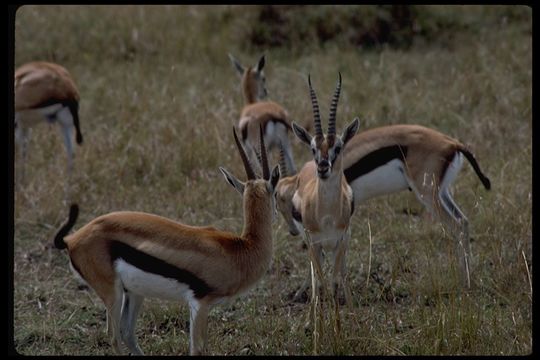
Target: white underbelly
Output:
[(151, 285), (383, 180)]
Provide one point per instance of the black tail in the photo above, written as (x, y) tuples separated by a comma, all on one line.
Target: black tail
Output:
[(59, 237), (74, 110), (474, 164)]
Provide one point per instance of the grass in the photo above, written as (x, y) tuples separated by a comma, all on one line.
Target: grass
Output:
[(158, 99)]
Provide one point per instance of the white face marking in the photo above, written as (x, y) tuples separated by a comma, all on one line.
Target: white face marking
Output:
[(151, 285), (383, 180)]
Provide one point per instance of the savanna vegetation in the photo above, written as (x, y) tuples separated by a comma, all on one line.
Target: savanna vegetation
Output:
[(158, 101)]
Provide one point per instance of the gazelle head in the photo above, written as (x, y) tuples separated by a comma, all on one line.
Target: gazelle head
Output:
[(257, 189), (326, 148), (253, 80)]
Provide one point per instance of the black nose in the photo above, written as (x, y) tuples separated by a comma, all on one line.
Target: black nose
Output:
[(294, 232), (323, 165)]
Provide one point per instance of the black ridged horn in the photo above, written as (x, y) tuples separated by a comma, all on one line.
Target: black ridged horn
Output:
[(249, 170), (264, 158), (282, 164), (333, 109), (315, 105)]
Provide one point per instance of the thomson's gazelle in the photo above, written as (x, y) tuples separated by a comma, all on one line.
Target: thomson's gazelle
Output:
[(324, 202), (393, 158), (260, 112), (45, 92), (127, 256)]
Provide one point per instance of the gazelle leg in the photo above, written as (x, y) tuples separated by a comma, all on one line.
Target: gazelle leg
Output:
[(441, 205), (340, 266), (198, 315), (457, 222), (315, 255), (299, 293), (130, 310), (114, 311), (66, 124)]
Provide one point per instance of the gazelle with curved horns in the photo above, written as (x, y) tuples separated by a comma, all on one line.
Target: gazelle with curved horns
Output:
[(258, 112), (46, 92), (127, 256), (389, 159), (325, 201)]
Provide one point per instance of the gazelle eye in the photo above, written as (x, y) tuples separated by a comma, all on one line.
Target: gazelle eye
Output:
[(337, 150)]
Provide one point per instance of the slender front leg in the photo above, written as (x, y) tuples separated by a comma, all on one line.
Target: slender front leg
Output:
[(197, 327), (340, 266), (315, 255)]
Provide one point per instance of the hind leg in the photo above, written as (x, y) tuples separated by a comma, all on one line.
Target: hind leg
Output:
[(66, 124), (440, 205), (456, 221), (114, 311), (198, 316), (130, 310)]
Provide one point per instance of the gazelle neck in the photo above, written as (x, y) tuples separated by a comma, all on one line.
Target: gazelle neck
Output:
[(257, 217), (250, 91)]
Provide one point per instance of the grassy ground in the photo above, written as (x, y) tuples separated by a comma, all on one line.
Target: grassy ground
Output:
[(159, 97)]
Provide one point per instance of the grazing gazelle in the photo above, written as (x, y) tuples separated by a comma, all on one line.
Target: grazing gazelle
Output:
[(127, 256), (393, 158), (45, 92), (324, 202), (260, 112)]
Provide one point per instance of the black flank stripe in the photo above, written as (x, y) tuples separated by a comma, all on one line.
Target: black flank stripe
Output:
[(156, 266), (296, 215), (244, 132), (373, 160)]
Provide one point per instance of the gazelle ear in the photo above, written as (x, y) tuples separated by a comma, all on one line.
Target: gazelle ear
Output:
[(351, 130), (301, 133), (260, 64), (231, 179), (237, 65)]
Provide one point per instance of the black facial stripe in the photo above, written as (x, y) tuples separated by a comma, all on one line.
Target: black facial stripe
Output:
[(157, 266), (373, 160), (296, 215)]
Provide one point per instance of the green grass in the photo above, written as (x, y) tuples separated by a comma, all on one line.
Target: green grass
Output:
[(158, 99)]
